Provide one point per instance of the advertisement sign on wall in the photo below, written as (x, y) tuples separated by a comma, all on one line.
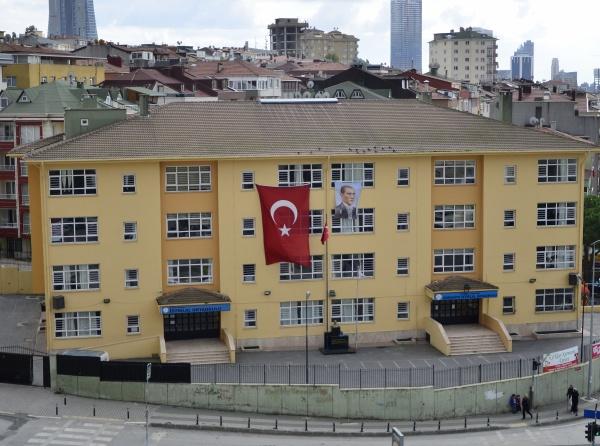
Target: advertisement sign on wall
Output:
[(596, 350), (561, 359)]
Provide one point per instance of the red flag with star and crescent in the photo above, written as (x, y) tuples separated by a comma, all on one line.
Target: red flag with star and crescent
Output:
[(285, 221)]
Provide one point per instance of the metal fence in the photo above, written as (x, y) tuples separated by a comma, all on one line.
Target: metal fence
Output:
[(315, 374)]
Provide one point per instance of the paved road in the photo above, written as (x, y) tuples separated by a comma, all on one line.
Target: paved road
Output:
[(19, 320)]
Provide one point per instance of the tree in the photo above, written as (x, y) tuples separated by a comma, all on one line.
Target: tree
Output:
[(591, 230), (332, 57)]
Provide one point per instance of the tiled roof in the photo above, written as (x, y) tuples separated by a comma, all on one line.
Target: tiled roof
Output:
[(228, 68), (192, 296), (25, 148), (458, 283), (141, 76), (251, 129)]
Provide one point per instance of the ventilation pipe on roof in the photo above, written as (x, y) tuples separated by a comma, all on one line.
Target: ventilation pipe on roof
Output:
[(143, 105), (219, 67)]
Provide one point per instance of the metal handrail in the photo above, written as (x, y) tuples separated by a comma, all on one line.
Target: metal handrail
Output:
[(7, 167), (8, 196)]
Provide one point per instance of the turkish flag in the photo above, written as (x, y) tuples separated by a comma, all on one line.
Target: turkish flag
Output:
[(285, 221)]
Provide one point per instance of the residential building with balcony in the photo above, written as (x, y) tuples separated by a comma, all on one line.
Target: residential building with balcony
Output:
[(334, 45), (149, 231), (285, 36)]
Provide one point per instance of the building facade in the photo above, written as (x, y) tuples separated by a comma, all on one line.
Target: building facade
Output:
[(452, 227), (406, 34), (72, 18), (522, 62), (554, 68), (334, 45), (465, 55), (285, 36)]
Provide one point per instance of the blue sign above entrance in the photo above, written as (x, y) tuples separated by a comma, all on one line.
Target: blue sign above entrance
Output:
[(465, 295), (208, 308)]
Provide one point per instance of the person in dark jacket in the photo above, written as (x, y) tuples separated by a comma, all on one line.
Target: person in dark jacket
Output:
[(512, 402), (525, 406), (575, 402)]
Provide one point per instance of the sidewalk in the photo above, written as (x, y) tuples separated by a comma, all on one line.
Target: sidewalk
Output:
[(39, 402)]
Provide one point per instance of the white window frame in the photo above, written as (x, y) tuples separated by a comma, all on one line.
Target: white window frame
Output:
[(291, 271), (510, 174), (448, 257), (316, 222), (132, 278), (78, 324), (248, 227), (64, 230), (76, 277), (557, 170), (363, 223), (130, 233), (403, 311), (508, 309), (403, 179), (249, 273), (353, 266), (72, 182), (363, 173), (557, 214), (300, 174), (133, 324), (554, 299), (346, 311), (188, 178), (555, 257), (129, 183), (250, 318), (510, 218), (402, 266), (247, 177), (454, 216), (177, 268), (448, 172), (199, 225), (300, 312), (508, 262), (403, 222)]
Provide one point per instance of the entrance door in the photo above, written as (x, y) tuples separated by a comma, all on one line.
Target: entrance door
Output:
[(449, 312), (192, 325)]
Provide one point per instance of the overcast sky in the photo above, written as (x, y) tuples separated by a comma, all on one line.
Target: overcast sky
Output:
[(568, 30)]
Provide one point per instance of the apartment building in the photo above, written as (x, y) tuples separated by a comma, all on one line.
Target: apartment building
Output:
[(149, 231), (466, 55), (333, 45)]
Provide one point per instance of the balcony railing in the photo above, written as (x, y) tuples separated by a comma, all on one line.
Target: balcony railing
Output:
[(26, 228), (7, 168), (25, 199), (4, 138), (24, 171), (8, 196), (8, 225)]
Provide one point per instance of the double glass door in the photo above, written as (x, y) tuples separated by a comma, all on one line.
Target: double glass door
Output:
[(192, 325), (449, 312)]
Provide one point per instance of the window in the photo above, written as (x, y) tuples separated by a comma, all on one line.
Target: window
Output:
[(248, 228), (402, 266), (189, 271), (510, 174), (508, 305), (403, 176), (365, 222), (455, 172), (340, 94), (301, 312), (510, 218), (509, 262), (316, 221), (130, 231), (73, 182), (454, 216), (352, 265), (189, 225), (247, 180), (78, 324), (250, 318), (292, 271), (11, 81), (76, 277), (453, 260), (299, 174), (402, 312), (353, 310), (357, 94), (133, 324), (563, 170), (554, 299), (249, 273), (363, 173), (556, 214), (188, 178), (131, 278), (555, 257), (84, 122), (74, 229), (402, 222), (129, 184)]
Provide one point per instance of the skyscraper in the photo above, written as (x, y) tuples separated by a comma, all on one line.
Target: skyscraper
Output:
[(406, 34), (522, 62), (554, 69), (72, 18)]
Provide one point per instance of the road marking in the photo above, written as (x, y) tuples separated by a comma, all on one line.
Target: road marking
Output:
[(500, 436), (443, 363), (411, 363), (454, 359), (380, 365), (48, 428), (396, 364), (469, 359), (93, 425), (80, 431), (73, 436), (485, 359), (530, 434), (427, 362)]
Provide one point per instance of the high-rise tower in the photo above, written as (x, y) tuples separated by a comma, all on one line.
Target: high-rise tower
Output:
[(72, 18), (554, 69), (522, 61), (406, 34)]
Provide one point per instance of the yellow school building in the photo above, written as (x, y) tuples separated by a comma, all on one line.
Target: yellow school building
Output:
[(147, 234)]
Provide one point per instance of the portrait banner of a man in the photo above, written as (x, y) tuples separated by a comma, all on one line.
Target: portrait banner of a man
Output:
[(347, 198)]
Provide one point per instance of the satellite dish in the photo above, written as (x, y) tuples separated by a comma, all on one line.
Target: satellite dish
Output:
[(326, 94), (533, 121), (306, 94), (310, 84)]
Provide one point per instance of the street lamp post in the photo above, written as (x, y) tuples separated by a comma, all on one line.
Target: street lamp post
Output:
[(307, 295), (590, 362)]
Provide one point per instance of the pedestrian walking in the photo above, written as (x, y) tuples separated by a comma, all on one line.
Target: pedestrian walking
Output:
[(512, 402), (575, 402), (569, 395), (525, 406)]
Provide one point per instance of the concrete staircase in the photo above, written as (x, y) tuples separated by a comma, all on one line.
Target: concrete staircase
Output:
[(473, 339), (198, 351)]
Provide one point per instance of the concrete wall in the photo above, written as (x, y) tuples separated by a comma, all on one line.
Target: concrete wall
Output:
[(15, 279), (419, 403)]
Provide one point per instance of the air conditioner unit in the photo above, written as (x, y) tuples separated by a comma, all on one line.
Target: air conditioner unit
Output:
[(58, 302)]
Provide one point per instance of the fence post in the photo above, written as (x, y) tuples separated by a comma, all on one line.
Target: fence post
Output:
[(215, 373), (385, 378), (479, 373), (339, 374), (314, 374), (410, 377), (433, 375), (360, 378), (460, 376), (520, 367), (500, 370), (289, 374), (264, 374), (414, 426), (239, 373)]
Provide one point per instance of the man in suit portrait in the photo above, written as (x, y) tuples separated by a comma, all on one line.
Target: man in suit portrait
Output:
[(346, 209)]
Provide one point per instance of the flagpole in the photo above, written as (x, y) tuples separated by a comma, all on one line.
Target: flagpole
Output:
[(326, 211)]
